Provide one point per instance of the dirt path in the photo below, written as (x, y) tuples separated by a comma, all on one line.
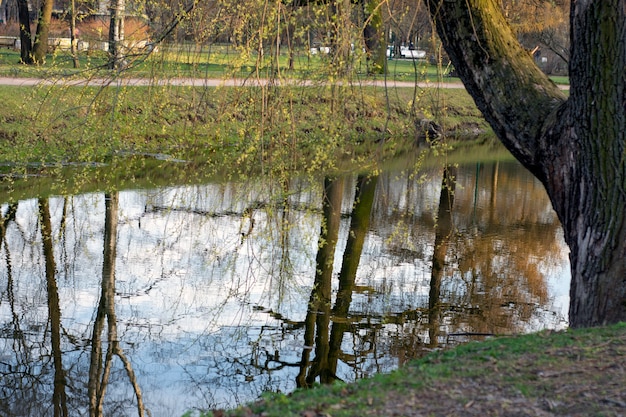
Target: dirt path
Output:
[(215, 82)]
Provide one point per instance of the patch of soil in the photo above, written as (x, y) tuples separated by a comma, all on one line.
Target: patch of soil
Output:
[(583, 376), (579, 381)]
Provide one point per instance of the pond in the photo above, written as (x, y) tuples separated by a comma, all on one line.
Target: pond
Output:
[(193, 297)]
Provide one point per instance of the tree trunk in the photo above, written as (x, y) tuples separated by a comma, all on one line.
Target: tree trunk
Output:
[(26, 46), (40, 47), (593, 197), (116, 35), (374, 37), (73, 39), (575, 146)]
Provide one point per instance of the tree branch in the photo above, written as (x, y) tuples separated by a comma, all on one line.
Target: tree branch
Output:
[(511, 91)]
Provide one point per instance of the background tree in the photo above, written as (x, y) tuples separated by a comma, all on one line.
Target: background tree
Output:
[(116, 34), (574, 145), (409, 22), (374, 36), (26, 46), (541, 26), (40, 46), (73, 38)]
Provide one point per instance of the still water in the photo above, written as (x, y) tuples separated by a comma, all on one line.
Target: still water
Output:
[(159, 301)]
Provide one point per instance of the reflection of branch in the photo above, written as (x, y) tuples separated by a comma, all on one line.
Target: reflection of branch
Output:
[(132, 378), (255, 205), (205, 213)]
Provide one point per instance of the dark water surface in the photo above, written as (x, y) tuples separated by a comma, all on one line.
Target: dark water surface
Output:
[(195, 297)]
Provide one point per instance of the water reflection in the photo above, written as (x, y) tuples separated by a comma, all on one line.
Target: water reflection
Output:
[(99, 366), (158, 301)]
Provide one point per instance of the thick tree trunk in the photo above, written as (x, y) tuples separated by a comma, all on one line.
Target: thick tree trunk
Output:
[(40, 47), (594, 209), (26, 46), (574, 146)]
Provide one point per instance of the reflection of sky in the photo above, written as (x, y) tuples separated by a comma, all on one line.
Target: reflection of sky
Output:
[(211, 283), (557, 278)]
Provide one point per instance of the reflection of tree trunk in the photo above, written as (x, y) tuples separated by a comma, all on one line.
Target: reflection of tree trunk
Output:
[(17, 331), (494, 192), (96, 388), (494, 184), (319, 303), (4, 222), (62, 236), (442, 237), (59, 398), (309, 339), (285, 225), (98, 372), (359, 225), (476, 191)]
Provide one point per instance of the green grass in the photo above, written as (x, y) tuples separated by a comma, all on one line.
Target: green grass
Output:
[(80, 139), (56, 124), (219, 61), (215, 61), (507, 365)]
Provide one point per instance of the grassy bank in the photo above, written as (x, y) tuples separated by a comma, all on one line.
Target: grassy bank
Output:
[(550, 373), (312, 127)]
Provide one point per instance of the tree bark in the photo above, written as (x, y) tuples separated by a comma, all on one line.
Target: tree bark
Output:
[(574, 145), (73, 38), (596, 200), (116, 34), (374, 37), (40, 47), (26, 46)]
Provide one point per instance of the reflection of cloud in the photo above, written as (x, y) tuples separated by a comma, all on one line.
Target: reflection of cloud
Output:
[(558, 282)]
